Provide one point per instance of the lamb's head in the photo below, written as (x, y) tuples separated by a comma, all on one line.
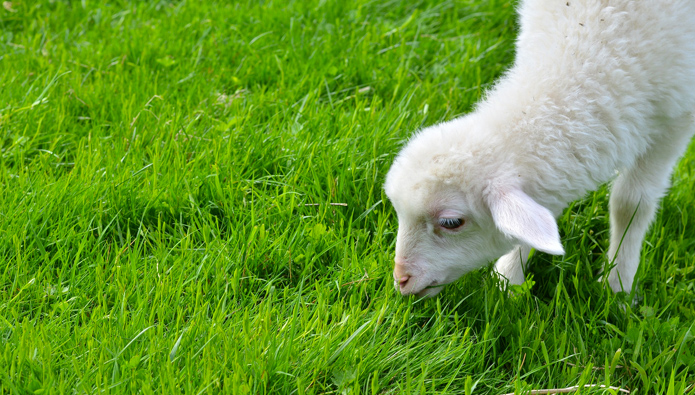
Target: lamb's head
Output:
[(458, 210)]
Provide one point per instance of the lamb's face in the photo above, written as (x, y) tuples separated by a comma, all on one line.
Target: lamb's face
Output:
[(460, 205), (442, 235)]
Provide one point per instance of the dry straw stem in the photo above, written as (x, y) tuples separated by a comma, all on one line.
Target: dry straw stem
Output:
[(570, 389)]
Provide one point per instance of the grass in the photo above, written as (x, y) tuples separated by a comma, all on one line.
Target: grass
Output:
[(192, 203)]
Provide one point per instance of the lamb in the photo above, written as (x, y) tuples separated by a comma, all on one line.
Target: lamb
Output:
[(597, 88)]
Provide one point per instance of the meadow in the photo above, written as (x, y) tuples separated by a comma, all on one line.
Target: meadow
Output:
[(192, 203)]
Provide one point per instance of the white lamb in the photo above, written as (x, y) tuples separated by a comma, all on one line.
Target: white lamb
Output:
[(597, 86)]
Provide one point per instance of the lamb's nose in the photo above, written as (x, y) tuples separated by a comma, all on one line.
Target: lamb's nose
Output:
[(402, 282), (400, 274)]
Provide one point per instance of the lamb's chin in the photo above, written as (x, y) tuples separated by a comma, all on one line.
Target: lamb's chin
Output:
[(430, 291)]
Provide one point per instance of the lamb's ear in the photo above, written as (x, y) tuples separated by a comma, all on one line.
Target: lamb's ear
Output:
[(519, 216)]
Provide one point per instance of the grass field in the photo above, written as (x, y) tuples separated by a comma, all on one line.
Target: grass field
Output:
[(192, 203)]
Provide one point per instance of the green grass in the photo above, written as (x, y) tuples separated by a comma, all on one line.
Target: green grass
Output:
[(166, 225)]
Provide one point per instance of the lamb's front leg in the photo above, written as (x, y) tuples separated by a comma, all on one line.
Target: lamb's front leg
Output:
[(511, 266), (634, 199), (631, 211)]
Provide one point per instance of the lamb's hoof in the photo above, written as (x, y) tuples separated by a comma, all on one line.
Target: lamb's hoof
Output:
[(633, 299)]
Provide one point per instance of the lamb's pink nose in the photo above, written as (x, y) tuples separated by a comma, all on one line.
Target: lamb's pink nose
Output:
[(400, 274), (403, 281)]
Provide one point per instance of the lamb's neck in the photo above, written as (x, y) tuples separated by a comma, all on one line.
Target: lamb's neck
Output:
[(559, 151)]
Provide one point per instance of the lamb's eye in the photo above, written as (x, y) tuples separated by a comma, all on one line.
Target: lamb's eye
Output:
[(451, 223)]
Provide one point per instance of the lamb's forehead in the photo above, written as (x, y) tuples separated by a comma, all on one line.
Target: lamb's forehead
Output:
[(417, 186), (431, 168), (413, 196), (413, 172), (432, 155)]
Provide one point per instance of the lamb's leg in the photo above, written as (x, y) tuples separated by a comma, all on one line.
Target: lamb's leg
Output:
[(634, 200), (511, 265)]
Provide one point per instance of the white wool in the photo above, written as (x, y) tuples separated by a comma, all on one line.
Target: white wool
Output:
[(597, 87)]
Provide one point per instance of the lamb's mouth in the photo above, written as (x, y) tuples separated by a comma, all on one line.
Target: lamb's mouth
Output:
[(431, 290)]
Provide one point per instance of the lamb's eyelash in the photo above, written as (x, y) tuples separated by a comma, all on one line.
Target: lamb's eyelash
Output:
[(451, 223)]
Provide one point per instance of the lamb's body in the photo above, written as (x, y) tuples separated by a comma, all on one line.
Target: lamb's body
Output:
[(592, 87), (597, 87)]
